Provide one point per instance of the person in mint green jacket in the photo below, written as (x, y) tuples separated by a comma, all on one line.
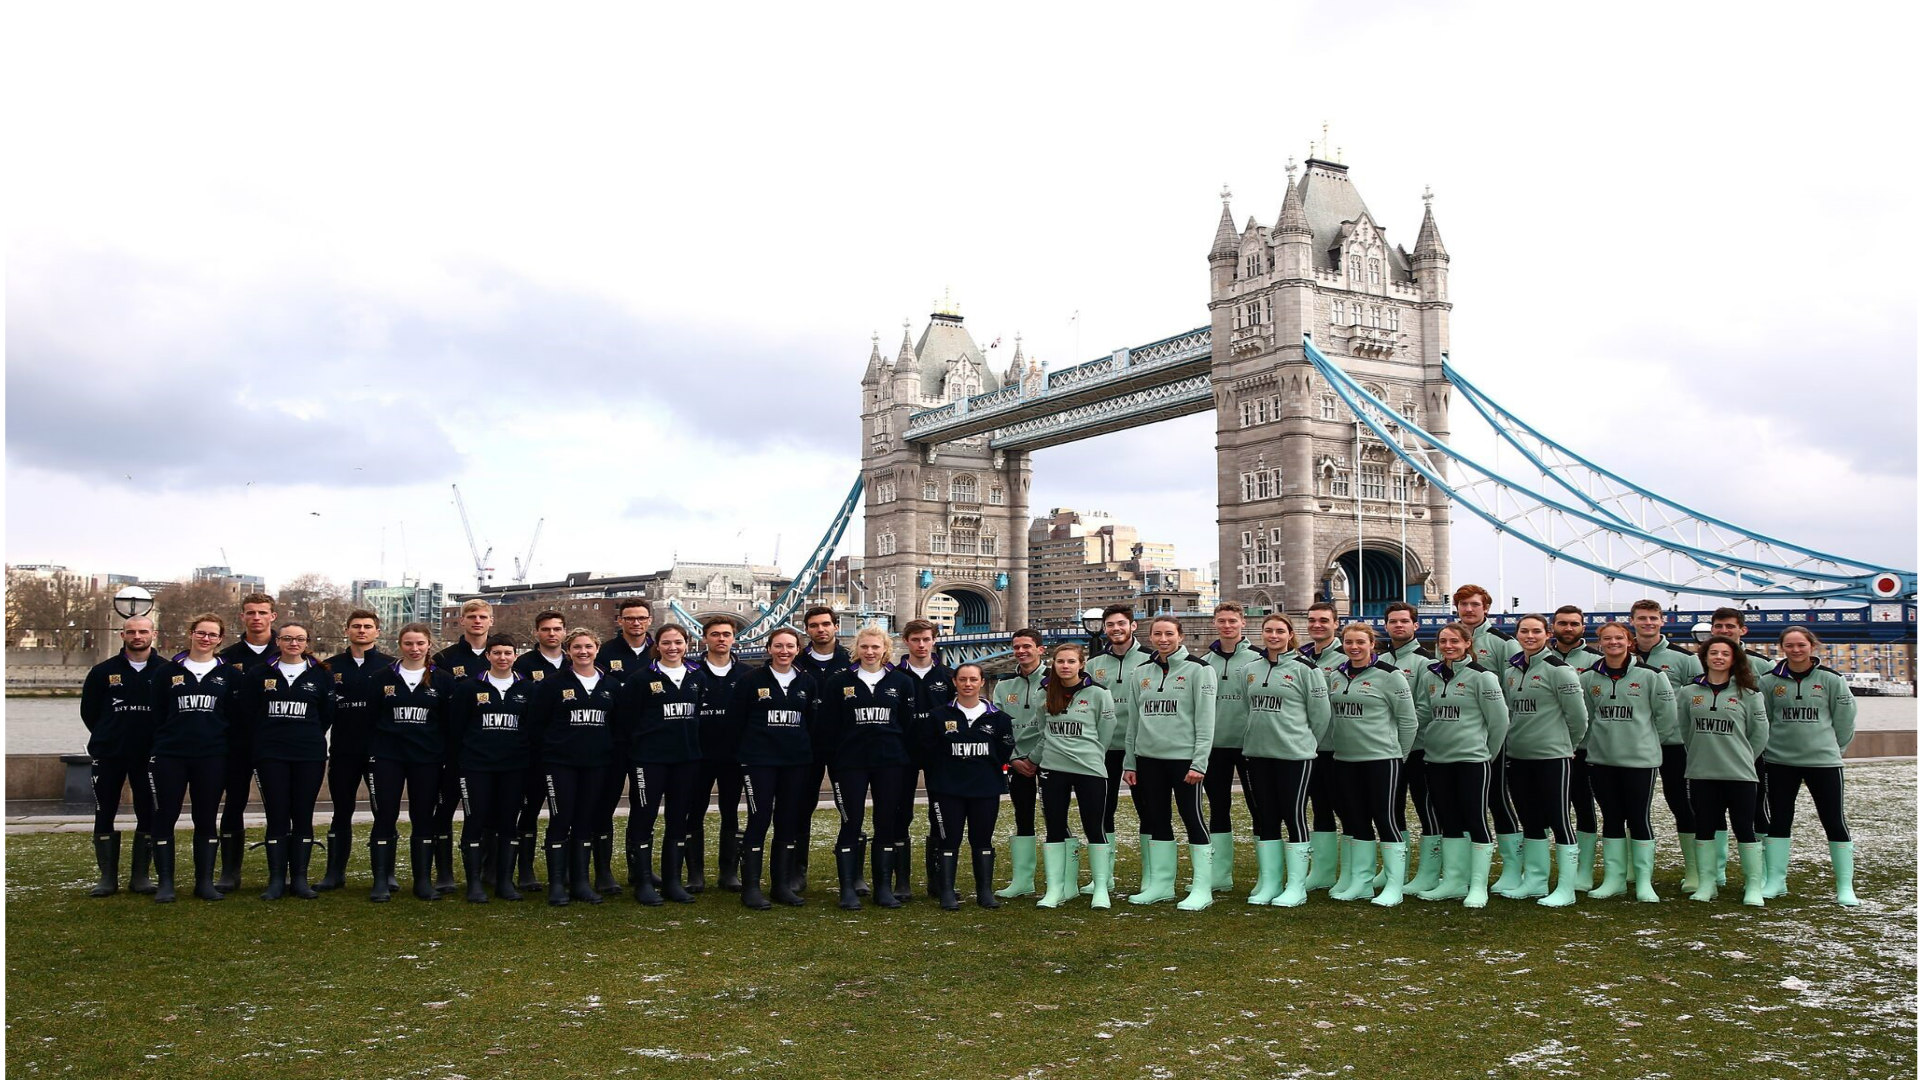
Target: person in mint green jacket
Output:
[(1724, 723), (1630, 716), (1168, 749), (1652, 647), (1373, 729), (1732, 622), (1076, 722), (1228, 656), (1810, 715), (1463, 722), (1113, 669), (1570, 645), (1288, 714), (1549, 714), (1019, 694), (1492, 648), (1321, 650)]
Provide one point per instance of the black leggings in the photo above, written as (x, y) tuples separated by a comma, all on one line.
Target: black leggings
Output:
[(288, 790), (1160, 784), (947, 814), (1279, 790), (1024, 791), (571, 794), (911, 785), (729, 778), (1673, 784), (1626, 799), (1762, 811), (109, 774), (1323, 793), (603, 800), (1056, 787), (1413, 780), (236, 781), (1223, 765), (1824, 783), (533, 796), (1460, 790), (489, 803), (1542, 794), (1367, 787), (1116, 760), (448, 800), (168, 781), (1499, 801), (782, 796), (422, 780), (345, 773), (655, 785), (890, 798), (1581, 784), (1717, 803)]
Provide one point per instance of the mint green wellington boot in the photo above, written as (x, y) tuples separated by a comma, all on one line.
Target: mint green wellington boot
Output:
[(1156, 885), (1456, 859), (1615, 853), (1058, 884), (1102, 858), (1583, 875), (1200, 896), (1703, 860), (1841, 851), (1778, 852), (1428, 876), (1295, 893), (1360, 885), (1222, 845), (1509, 848), (1690, 860), (1266, 853), (1394, 856), (1022, 884), (1643, 872), (1753, 874), (1075, 849), (1565, 892), (1536, 861), (1477, 870), (1406, 852), (1720, 857), (1324, 870)]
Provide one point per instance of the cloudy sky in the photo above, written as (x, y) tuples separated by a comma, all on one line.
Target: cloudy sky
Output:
[(275, 281)]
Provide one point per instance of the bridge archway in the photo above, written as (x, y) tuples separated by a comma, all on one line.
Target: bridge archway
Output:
[(977, 608), (1385, 580)]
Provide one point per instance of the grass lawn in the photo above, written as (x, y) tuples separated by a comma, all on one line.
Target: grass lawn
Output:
[(339, 987)]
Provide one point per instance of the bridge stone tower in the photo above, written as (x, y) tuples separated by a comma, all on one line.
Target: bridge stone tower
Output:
[(948, 518), (1306, 508)]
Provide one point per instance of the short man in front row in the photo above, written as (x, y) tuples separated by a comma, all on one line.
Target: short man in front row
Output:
[(116, 704)]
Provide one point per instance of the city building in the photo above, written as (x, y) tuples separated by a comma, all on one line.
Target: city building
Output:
[(1079, 560), (236, 584), (398, 605), (590, 599)]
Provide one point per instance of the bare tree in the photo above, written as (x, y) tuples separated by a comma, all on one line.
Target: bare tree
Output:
[(62, 611), (322, 604), (176, 605)]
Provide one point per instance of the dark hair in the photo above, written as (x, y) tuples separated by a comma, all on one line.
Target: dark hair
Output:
[(1733, 613), (1541, 619), (1117, 609), (632, 602), (1466, 635), (1158, 619), (1030, 634), (787, 630), (976, 667), (1801, 628), (305, 650), (1059, 694), (363, 613), (1571, 609), (501, 639), (1401, 605), (1742, 673), (918, 626), (1646, 605), (258, 598), (1322, 605), (666, 628), (415, 628), (817, 609), (545, 615)]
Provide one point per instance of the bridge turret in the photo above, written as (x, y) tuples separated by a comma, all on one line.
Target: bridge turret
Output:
[(1430, 257), (876, 365), (1293, 236), (906, 369), (1226, 247)]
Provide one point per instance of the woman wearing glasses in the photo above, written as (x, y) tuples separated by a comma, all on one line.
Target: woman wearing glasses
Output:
[(289, 705), (190, 754)]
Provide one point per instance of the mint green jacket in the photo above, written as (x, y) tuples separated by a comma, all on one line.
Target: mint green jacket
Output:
[(1022, 698), (1175, 701), (1115, 674), (1333, 656), (1547, 706), (1579, 658), (1288, 714), (1630, 715), (1410, 659), (1230, 709), (1810, 716), (1681, 668), (1462, 713), (1725, 729), (1373, 718), (1076, 741), (1493, 647)]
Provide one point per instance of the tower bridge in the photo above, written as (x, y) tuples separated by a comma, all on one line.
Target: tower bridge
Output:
[(1325, 362)]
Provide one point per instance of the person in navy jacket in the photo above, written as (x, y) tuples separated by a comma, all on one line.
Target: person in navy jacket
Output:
[(769, 723), (409, 749), (289, 706), (349, 740), (863, 724), (193, 708), (932, 687), (254, 649), (719, 675), (575, 713), (116, 704), (659, 709), (966, 744), (492, 711)]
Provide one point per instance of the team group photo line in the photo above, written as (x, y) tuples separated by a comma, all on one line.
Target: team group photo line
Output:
[(1539, 749)]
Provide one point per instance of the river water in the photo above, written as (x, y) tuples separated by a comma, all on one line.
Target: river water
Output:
[(37, 725)]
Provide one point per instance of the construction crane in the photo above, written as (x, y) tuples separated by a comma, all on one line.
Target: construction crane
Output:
[(522, 569), (480, 568)]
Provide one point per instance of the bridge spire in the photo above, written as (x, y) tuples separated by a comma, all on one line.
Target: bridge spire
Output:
[(1429, 244), (1226, 239), (876, 364)]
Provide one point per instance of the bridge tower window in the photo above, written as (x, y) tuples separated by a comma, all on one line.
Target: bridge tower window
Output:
[(966, 489), (937, 543), (965, 541), (930, 490), (989, 543), (1339, 313), (996, 495), (1328, 408), (1373, 271), (1342, 484)]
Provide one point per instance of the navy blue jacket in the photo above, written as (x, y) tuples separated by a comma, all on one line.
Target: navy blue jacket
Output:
[(289, 720), (410, 725), (496, 727), (771, 725), (716, 697), (353, 694), (929, 693), (823, 673), (117, 705), (535, 666), (866, 727), (576, 724), (661, 720), (193, 714), (967, 758), (241, 657)]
